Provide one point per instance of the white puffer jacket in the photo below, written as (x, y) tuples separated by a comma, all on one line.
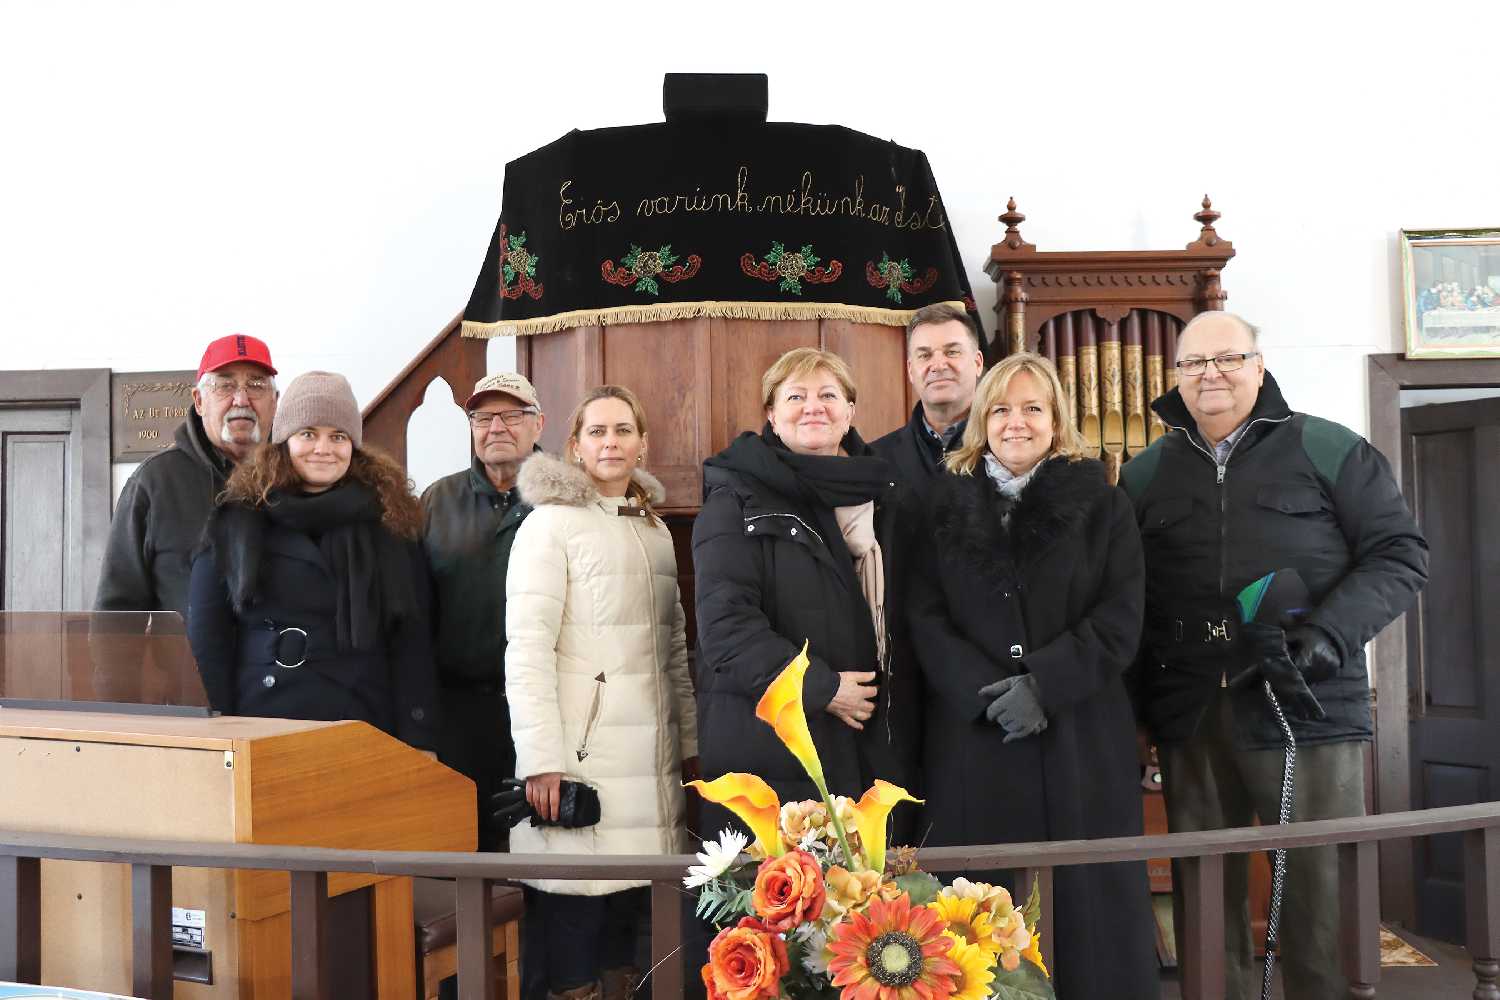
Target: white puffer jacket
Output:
[(596, 667)]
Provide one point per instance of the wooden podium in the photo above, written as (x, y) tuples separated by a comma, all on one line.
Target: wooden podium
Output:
[(226, 780)]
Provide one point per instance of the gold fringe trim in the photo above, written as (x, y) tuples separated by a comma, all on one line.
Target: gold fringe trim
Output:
[(659, 311)]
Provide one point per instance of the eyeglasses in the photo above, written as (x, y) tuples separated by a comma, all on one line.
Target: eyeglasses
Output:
[(1223, 362), (482, 419), (255, 388)]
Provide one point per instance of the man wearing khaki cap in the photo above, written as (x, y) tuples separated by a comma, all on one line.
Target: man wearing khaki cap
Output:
[(163, 507), (472, 518)]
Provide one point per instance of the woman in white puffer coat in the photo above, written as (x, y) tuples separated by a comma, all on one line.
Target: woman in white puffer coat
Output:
[(597, 678)]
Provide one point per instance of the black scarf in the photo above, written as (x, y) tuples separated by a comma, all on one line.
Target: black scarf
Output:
[(369, 565), (847, 480)]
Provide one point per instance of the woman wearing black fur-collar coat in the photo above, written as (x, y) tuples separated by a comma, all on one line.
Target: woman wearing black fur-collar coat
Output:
[(1025, 614)]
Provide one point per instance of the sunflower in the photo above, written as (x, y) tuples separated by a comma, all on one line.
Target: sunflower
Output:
[(892, 951), (965, 920), (976, 970)]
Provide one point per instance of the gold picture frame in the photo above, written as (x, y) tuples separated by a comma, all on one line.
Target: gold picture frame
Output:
[(1451, 292)]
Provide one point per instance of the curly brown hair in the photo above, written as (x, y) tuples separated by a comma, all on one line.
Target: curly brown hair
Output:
[(269, 468)]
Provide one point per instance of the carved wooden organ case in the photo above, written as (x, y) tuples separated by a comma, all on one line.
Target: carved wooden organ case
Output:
[(1108, 320)]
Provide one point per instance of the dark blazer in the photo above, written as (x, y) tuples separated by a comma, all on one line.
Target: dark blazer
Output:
[(1055, 593), (392, 687), (768, 579)]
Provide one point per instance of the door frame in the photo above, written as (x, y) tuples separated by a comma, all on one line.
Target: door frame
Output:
[(87, 391), (1388, 375)]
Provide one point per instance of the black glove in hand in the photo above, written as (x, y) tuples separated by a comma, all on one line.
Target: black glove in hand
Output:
[(1313, 652), (509, 806), (1270, 658), (1016, 707)]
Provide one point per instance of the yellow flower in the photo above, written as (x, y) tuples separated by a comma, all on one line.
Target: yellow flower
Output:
[(781, 708), (966, 921), (976, 970), (752, 800), (870, 816), (1033, 954), (849, 890)]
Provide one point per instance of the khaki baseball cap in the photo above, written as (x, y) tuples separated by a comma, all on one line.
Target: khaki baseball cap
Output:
[(509, 383)]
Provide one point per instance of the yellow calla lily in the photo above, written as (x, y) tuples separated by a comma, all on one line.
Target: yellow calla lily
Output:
[(752, 800), (870, 815), (781, 708)]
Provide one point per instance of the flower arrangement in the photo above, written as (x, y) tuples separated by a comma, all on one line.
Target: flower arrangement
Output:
[(820, 909)]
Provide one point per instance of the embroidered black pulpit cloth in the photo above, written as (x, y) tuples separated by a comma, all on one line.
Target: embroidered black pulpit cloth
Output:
[(715, 217)]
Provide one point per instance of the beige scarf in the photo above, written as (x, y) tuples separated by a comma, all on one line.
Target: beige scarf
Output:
[(858, 526)]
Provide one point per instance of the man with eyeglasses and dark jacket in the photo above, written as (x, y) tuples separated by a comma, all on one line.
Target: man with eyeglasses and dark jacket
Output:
[(159, 517), (472, 519), (1244, 486)]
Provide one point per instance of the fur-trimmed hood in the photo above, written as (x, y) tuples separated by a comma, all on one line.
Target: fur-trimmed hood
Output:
[(968, 514), (547, 479)]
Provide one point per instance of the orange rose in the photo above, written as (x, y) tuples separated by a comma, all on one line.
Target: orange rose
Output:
[(745, 962), (789, 890)]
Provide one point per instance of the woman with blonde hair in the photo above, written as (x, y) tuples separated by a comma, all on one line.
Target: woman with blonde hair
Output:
[(596, 675), (1025, 613), (309, 595), (795, 543)]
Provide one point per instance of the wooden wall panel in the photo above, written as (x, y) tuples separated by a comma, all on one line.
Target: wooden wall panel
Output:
[(742, 350), (675, 395), (877, 355), (562, 366)]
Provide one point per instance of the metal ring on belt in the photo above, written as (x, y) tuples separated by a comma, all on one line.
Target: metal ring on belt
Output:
[(301, 632)]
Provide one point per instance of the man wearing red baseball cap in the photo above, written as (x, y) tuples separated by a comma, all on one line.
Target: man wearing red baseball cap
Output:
[(165, 503)]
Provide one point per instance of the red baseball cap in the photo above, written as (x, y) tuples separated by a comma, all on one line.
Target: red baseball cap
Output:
[(235, 347)]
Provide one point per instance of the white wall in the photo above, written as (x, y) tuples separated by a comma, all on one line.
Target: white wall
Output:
[(326, 176)]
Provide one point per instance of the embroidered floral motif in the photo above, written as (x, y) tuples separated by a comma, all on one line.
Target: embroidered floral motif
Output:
[(518, 265), (791, 268), (644, 267), (895, 276)]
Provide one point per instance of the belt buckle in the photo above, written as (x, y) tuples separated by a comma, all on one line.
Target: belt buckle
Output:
[(301, 632), (1219, 631)]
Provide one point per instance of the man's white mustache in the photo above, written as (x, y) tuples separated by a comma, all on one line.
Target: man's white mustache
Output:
[(239, 413)]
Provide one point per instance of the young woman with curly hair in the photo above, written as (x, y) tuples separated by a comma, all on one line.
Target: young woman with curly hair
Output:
[(309, 593)]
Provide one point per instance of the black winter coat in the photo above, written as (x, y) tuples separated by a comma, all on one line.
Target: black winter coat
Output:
[(1296, 492), (157, 524), (766, 581), (391, 688), (1055, 593), (917, 456), (470, 529)]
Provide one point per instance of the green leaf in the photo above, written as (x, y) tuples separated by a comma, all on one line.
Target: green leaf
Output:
[(1032, 911), (791, 285), (518, 239), (508, 273), (1025, 983), (920, 886), (648, 285)]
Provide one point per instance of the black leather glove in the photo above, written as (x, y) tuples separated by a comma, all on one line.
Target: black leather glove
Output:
[(578, 805), (1270, 658), (1016, 707), (1313, 652), (509, 806)]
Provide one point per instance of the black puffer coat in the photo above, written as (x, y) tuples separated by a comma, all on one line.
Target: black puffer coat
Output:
[(767, 580), (392, 687), (1056, 593), (1297, 492)]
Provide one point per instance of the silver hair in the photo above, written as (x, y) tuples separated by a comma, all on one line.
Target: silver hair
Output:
[(1204, 317)]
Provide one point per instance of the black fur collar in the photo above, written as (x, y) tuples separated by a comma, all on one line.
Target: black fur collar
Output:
[(967, 516)]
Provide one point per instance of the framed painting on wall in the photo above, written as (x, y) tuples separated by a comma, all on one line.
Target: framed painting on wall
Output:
[(1451, 291)]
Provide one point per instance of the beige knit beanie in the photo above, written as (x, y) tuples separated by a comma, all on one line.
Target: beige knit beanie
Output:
[(317, 399)]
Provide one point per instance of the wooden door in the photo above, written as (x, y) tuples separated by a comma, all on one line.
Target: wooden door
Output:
[(1452, 481), (41, 545)]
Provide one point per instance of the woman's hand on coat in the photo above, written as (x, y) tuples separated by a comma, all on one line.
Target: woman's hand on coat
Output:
[(854, 702), (544, 792)]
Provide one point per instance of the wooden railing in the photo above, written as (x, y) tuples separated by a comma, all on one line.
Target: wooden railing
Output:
[(1202, 856)]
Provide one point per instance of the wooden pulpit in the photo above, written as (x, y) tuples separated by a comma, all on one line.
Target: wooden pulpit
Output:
[(222, 780)]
